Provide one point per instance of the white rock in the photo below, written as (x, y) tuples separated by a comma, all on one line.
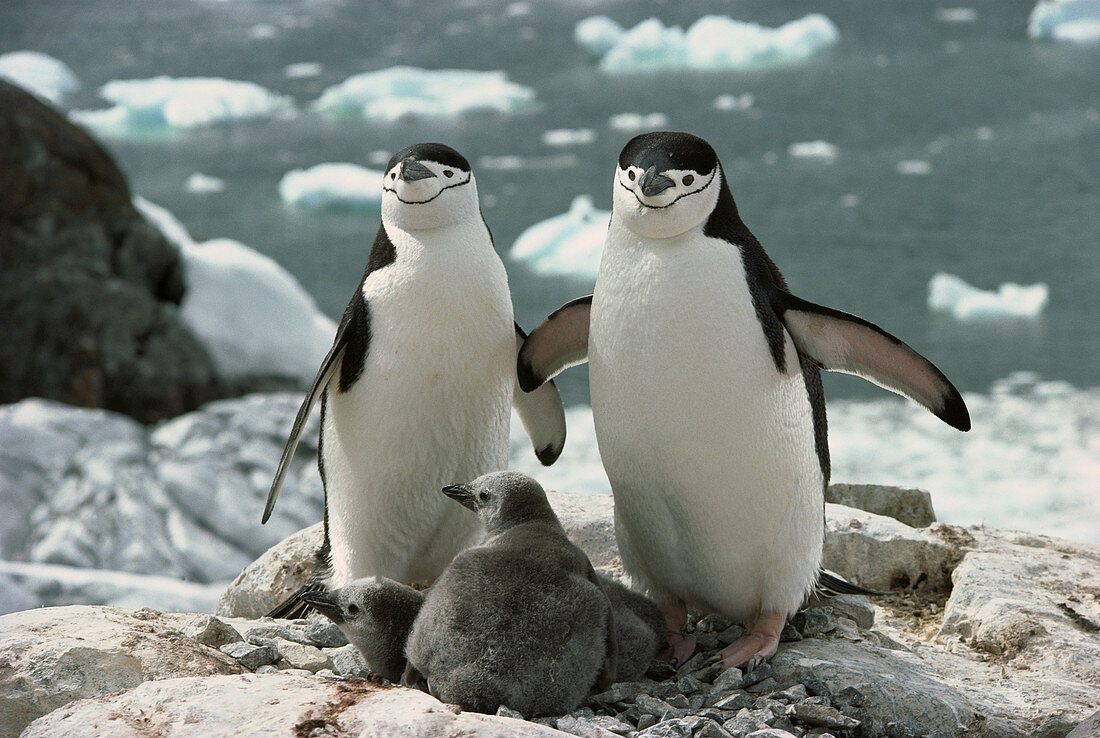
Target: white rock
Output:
[(276, 704), (332, 186), (39, 73), (273, 577), (950, 294), (904, 504), (51, 656)]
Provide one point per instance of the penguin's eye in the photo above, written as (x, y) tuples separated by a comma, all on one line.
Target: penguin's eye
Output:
[(632, 175), (353, 609), (393, 175), (688, 179), (448, 173), (484, 497)]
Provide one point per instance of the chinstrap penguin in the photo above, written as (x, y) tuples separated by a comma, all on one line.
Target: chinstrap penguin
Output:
[(376, 614), (519, 620), (707, 398), (417, 388)]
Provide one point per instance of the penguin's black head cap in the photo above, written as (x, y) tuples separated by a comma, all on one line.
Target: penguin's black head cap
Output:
[(437, 152), (669, 150), (503, 499)]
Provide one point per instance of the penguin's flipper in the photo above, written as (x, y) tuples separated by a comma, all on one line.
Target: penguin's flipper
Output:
[(842, 342), (541, 413), (296, 605), (561, 341), (324, 376), (831, 585)]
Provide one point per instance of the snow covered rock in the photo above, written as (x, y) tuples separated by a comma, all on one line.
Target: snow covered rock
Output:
[(712, 42), (390, 94), (952, 295), (569, 244), (332, 186), (49, 78), (51, 656)]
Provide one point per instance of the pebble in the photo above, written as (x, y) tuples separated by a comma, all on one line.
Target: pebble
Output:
[(771, 733), (348, 661), (759, 674), (583, 727), (251, 656), (822, 715), (302, 656), (505, 711), (676, 728), (657, 707), (211, 631), (325, 634), (728, 680)]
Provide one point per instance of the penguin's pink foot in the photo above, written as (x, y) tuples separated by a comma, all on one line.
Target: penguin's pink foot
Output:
[(679, 646), (760, 641)]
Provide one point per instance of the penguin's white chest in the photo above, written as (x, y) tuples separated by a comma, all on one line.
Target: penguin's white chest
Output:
[(709, 448), (431, 408)]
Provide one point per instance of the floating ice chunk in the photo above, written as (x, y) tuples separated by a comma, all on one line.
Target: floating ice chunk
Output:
[(637, 121), (734, 102), (203, 184), (263, 31), (913, 167), (391, 94), (956, 15), (253, 316), (566, 244), (821, 150), (1066, 20), (302, 70), (950, 294), (332, 186), (181, 103), (513, 163), (39, 73), (568, 137), (712, 42)]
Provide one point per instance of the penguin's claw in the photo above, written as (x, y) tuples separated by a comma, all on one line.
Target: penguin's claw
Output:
[(760, 642), (678, 649)]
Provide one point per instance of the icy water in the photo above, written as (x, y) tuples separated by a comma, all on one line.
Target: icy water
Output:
[(1006, 130)]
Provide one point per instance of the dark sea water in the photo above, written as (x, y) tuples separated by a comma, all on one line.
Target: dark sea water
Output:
[(1010, 127)]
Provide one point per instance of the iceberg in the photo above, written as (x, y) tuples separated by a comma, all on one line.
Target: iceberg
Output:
[(332, 186), (568, 244), (1065, 20), (252, 315), (950, 294), (39, 73), (166, 102), (712, 42), (391, 94)]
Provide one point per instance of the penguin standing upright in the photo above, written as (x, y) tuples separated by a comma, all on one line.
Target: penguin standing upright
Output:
[(417, 388), (707, 398)]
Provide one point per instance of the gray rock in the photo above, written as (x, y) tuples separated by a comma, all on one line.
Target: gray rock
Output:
[(646, 721), (276, 704), (906, 505), (712, 729), (821, 716), (250, 655), (1088, 728), (856, 607), (612, 725), (747, 721), (302, 655), (675, 728), (759, 674), (323, 633), (583, 726), (657, 707), (348, 661), (736, 700), (505, 711), (794, 693), (729, 680), (54, 655), (771, 733), (211, 631)]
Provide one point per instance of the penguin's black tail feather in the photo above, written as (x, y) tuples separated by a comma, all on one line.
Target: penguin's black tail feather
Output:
[(294, 607), (831, 585)]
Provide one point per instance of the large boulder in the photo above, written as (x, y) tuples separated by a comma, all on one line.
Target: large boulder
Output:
[(88, 289)]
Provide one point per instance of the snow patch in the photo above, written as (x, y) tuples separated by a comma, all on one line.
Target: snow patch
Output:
[(332, 186), (251, 314), (950, 294), (569, 244), (39, 73), (1076, 21), (391, 94), (712, 42)]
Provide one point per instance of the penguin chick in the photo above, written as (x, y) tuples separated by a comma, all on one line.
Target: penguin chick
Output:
[(376, 614), (521, 619), (639, 629)]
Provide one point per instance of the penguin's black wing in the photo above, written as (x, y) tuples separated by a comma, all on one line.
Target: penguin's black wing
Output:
[(561, 341), (541, 413), (841, 342), (349, 350)]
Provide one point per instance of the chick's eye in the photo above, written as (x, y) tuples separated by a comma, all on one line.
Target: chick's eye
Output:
[(484, 497), (632, 175), (353, 609), (448, 173), (688, 179)]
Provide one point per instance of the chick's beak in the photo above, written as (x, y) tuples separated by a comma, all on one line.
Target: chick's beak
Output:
[(461, 494)]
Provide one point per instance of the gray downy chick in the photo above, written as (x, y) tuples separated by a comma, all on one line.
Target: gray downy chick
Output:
[(376, 614), (639, 629), (519, 620)]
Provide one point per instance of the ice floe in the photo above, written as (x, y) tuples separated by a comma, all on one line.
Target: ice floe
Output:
[(203, 184), (712, 42), (956, 15), (734, 102), (1065, 20), (913, 167), (252, 315), (820, 150), (391, 94), (568, 244), (950, 294), (568, 137), (190, 102), (332, 186), (303, 70), (39, 73), (629, 122)]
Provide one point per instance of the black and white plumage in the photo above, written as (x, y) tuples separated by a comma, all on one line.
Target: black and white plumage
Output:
[(519, 620), (418, 386), (706, 394)]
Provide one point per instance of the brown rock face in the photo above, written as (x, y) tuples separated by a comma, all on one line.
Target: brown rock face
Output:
[(88, 290)]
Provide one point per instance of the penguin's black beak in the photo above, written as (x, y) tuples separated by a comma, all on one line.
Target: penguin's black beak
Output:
[(412, 170), (324, 603), (461, 494), (654, 184)]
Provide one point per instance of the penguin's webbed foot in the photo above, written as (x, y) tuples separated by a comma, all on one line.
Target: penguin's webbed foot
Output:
[(679, 646), (759, 643)]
